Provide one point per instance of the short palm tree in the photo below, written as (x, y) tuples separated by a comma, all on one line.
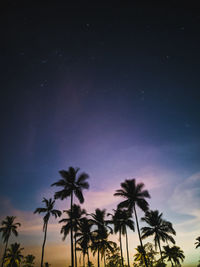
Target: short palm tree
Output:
[(158, 227), (48, 210), (72, 221), (173, 254), (197, 243), (149, 254), (72, 185), (134, 196), (113, 257), (7, 228), (121, 219), (14, 255), (29, 261)]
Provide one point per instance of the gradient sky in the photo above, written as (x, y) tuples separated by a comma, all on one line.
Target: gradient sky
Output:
[(113, 90)]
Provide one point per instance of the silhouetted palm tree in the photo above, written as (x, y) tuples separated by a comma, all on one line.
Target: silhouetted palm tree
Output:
[(71, 185), (8, 227), (100, 243), (48, 210), (173, 254), (72, 221), (98, 219), (13, 256), (158, 227), (134, 196), (121, 219), (197, 243), (84, 235), (29, 261)]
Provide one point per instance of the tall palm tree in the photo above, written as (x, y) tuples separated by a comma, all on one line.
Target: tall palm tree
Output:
[(121, 219), (197, 243), (72, 221), (71, 185), (134, 196), (173, 254), (13, 256), (48, 210), (8, 227), (158, 227), (29, 261), (84, 235)]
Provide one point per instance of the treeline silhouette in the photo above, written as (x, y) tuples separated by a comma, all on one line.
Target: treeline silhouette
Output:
[(90, 233)]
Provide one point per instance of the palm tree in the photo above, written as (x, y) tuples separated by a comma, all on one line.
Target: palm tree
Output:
[(173, 254), (134, 196), (121, 219), (101, 244), (149, 254), (84, 235), (197, 243), (71, 185), (158, 227), (98, 219), (48, 210), (13, 256), (29, 261), (73, 222), (8, 227), (113, 257)]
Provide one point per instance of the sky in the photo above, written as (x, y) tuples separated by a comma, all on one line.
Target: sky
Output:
[(112, 89)]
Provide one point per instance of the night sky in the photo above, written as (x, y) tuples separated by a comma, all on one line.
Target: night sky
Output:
[(113, 90)]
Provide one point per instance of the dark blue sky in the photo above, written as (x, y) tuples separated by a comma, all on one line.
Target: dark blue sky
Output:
[(75, 78)]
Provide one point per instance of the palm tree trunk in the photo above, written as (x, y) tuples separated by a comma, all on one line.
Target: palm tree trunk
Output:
[(120, 241), (75, 251), (83, 260), (4, 253), (43, 245), (145, 260), (98, 258), (72, 249), (127, 247), (104, 257), (88, 257), (160, 249)]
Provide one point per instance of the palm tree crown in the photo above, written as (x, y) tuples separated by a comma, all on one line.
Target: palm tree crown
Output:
[(158, 227), (74, 217), (13, 255), (48, 210), (71, 183), (197, 243), (8, 227), (173, 254), (29, 261), (134, 195)]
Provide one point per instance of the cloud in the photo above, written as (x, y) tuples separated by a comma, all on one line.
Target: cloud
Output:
[(186, 196), (31, 223)]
